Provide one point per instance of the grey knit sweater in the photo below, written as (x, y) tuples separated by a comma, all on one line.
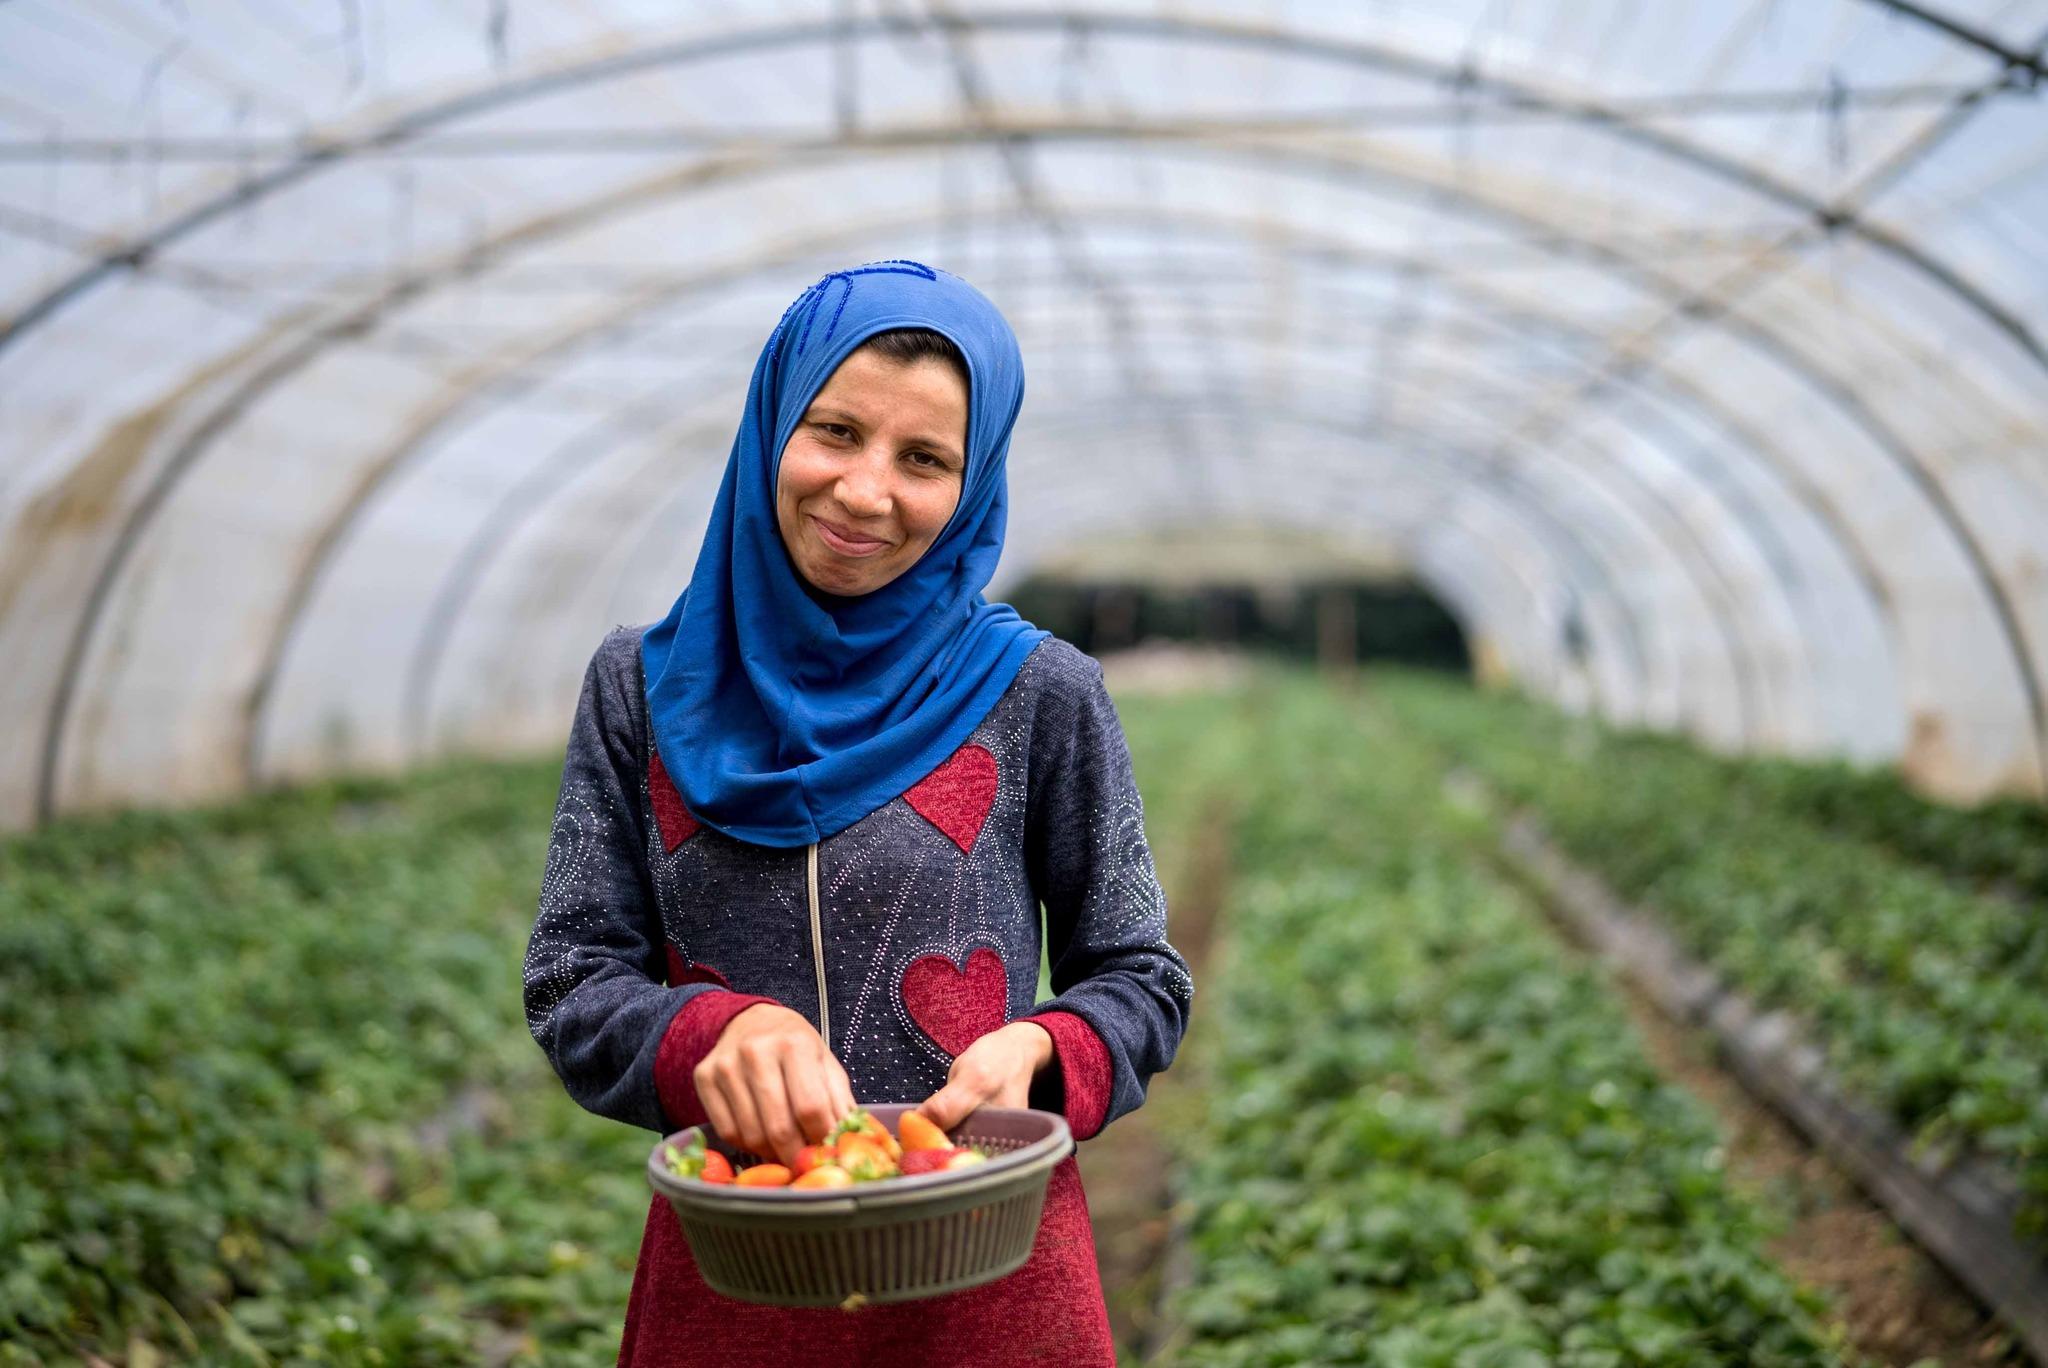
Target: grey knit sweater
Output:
[(926, 911)]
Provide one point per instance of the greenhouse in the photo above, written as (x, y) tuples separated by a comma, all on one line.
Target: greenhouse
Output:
[(506, 516)]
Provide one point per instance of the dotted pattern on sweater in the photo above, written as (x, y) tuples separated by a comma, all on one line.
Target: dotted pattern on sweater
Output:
[(587, 823), (1062, 824)]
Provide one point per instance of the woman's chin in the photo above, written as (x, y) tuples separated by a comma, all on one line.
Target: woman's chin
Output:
[(832, 576)]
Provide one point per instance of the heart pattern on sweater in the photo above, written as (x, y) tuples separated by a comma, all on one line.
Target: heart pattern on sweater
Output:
[(954, 1006), (675, 821), (956, 797), (680, 973)]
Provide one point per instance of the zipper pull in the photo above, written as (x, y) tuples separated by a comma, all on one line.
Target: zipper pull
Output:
[(818, 944)]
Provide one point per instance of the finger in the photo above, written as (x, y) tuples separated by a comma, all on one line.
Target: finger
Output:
[(952, 1104), (841, 1089), (771, 1102), (745, 1118), (809, 1087), (717, 1112), (938, 1108)]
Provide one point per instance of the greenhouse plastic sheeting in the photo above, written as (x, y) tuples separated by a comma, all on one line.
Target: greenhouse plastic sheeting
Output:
[(360, 364)]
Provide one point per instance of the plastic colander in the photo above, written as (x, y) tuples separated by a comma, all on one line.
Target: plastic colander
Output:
[(894, 1240)]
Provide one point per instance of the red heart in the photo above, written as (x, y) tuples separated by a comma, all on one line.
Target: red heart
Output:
[(957, 1007), (696, 973), (956, 797), (675, 821)]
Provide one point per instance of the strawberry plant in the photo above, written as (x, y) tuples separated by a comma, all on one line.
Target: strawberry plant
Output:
[(267, 1093), (1930, 998), (268, 1096), (1428, 1136)]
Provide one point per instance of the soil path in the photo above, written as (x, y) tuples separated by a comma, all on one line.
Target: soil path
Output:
[(1124, 1168), (1900, 1308)]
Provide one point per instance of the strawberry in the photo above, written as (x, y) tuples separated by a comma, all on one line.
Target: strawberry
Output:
[(920, 1134), (717, 1168), (811, 1157), (860, 1121), (693, 1159), (942, 1161), (825, 1176), (763, 1175), (864, 1158)]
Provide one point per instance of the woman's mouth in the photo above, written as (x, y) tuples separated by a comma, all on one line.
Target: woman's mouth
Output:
[(845, 541)]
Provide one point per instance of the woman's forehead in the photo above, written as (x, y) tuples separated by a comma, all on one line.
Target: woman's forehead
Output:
[(925, 396)]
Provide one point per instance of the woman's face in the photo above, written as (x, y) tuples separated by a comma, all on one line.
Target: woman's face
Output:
[(872, 472)]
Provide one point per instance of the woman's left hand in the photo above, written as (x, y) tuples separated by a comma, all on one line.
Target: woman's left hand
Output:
[(995, 1070)]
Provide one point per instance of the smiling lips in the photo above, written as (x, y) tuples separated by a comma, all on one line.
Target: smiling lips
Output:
[(845, 541)]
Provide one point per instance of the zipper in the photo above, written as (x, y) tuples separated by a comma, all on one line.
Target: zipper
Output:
[(818, 948)]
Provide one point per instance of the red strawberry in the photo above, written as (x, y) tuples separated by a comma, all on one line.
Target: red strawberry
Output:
[(695, 1160)]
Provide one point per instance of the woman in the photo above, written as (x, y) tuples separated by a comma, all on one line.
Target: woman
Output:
[(807, 820)]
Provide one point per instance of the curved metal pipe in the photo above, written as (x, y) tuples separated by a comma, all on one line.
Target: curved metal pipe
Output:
[(450, 599), (1351, 52), (1781, 353), (334, 533)]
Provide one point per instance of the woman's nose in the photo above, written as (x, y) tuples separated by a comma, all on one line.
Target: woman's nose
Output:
[(863, 488)]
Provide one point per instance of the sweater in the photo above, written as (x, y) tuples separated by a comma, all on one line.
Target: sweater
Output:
[(654, 930)]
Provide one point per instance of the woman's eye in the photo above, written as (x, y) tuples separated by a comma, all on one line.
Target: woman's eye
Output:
[(838, 430), (926, 461)]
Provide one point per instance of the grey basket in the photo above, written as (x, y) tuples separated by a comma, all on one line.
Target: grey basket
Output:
[(889, 1241)]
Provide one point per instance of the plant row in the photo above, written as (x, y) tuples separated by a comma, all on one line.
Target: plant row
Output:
[(1930, 1000), (1999, 846), (268, 1094), (1428, 1136)]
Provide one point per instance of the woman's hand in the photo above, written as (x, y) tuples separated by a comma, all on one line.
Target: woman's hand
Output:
[(995, 1070), (770, 1085)]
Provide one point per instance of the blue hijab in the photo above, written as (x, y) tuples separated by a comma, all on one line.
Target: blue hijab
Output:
[(785, 716)]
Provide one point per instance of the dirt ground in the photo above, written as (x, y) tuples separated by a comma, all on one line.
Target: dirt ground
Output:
[(1895, 1302), (1899, 1307), (1125, 1168)]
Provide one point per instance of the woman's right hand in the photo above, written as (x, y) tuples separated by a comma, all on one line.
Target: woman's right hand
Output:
[(770, 1084)]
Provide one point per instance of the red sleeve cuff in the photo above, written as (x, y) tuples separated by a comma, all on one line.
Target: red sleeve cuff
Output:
[(691, 1034), (1084, 1070)]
